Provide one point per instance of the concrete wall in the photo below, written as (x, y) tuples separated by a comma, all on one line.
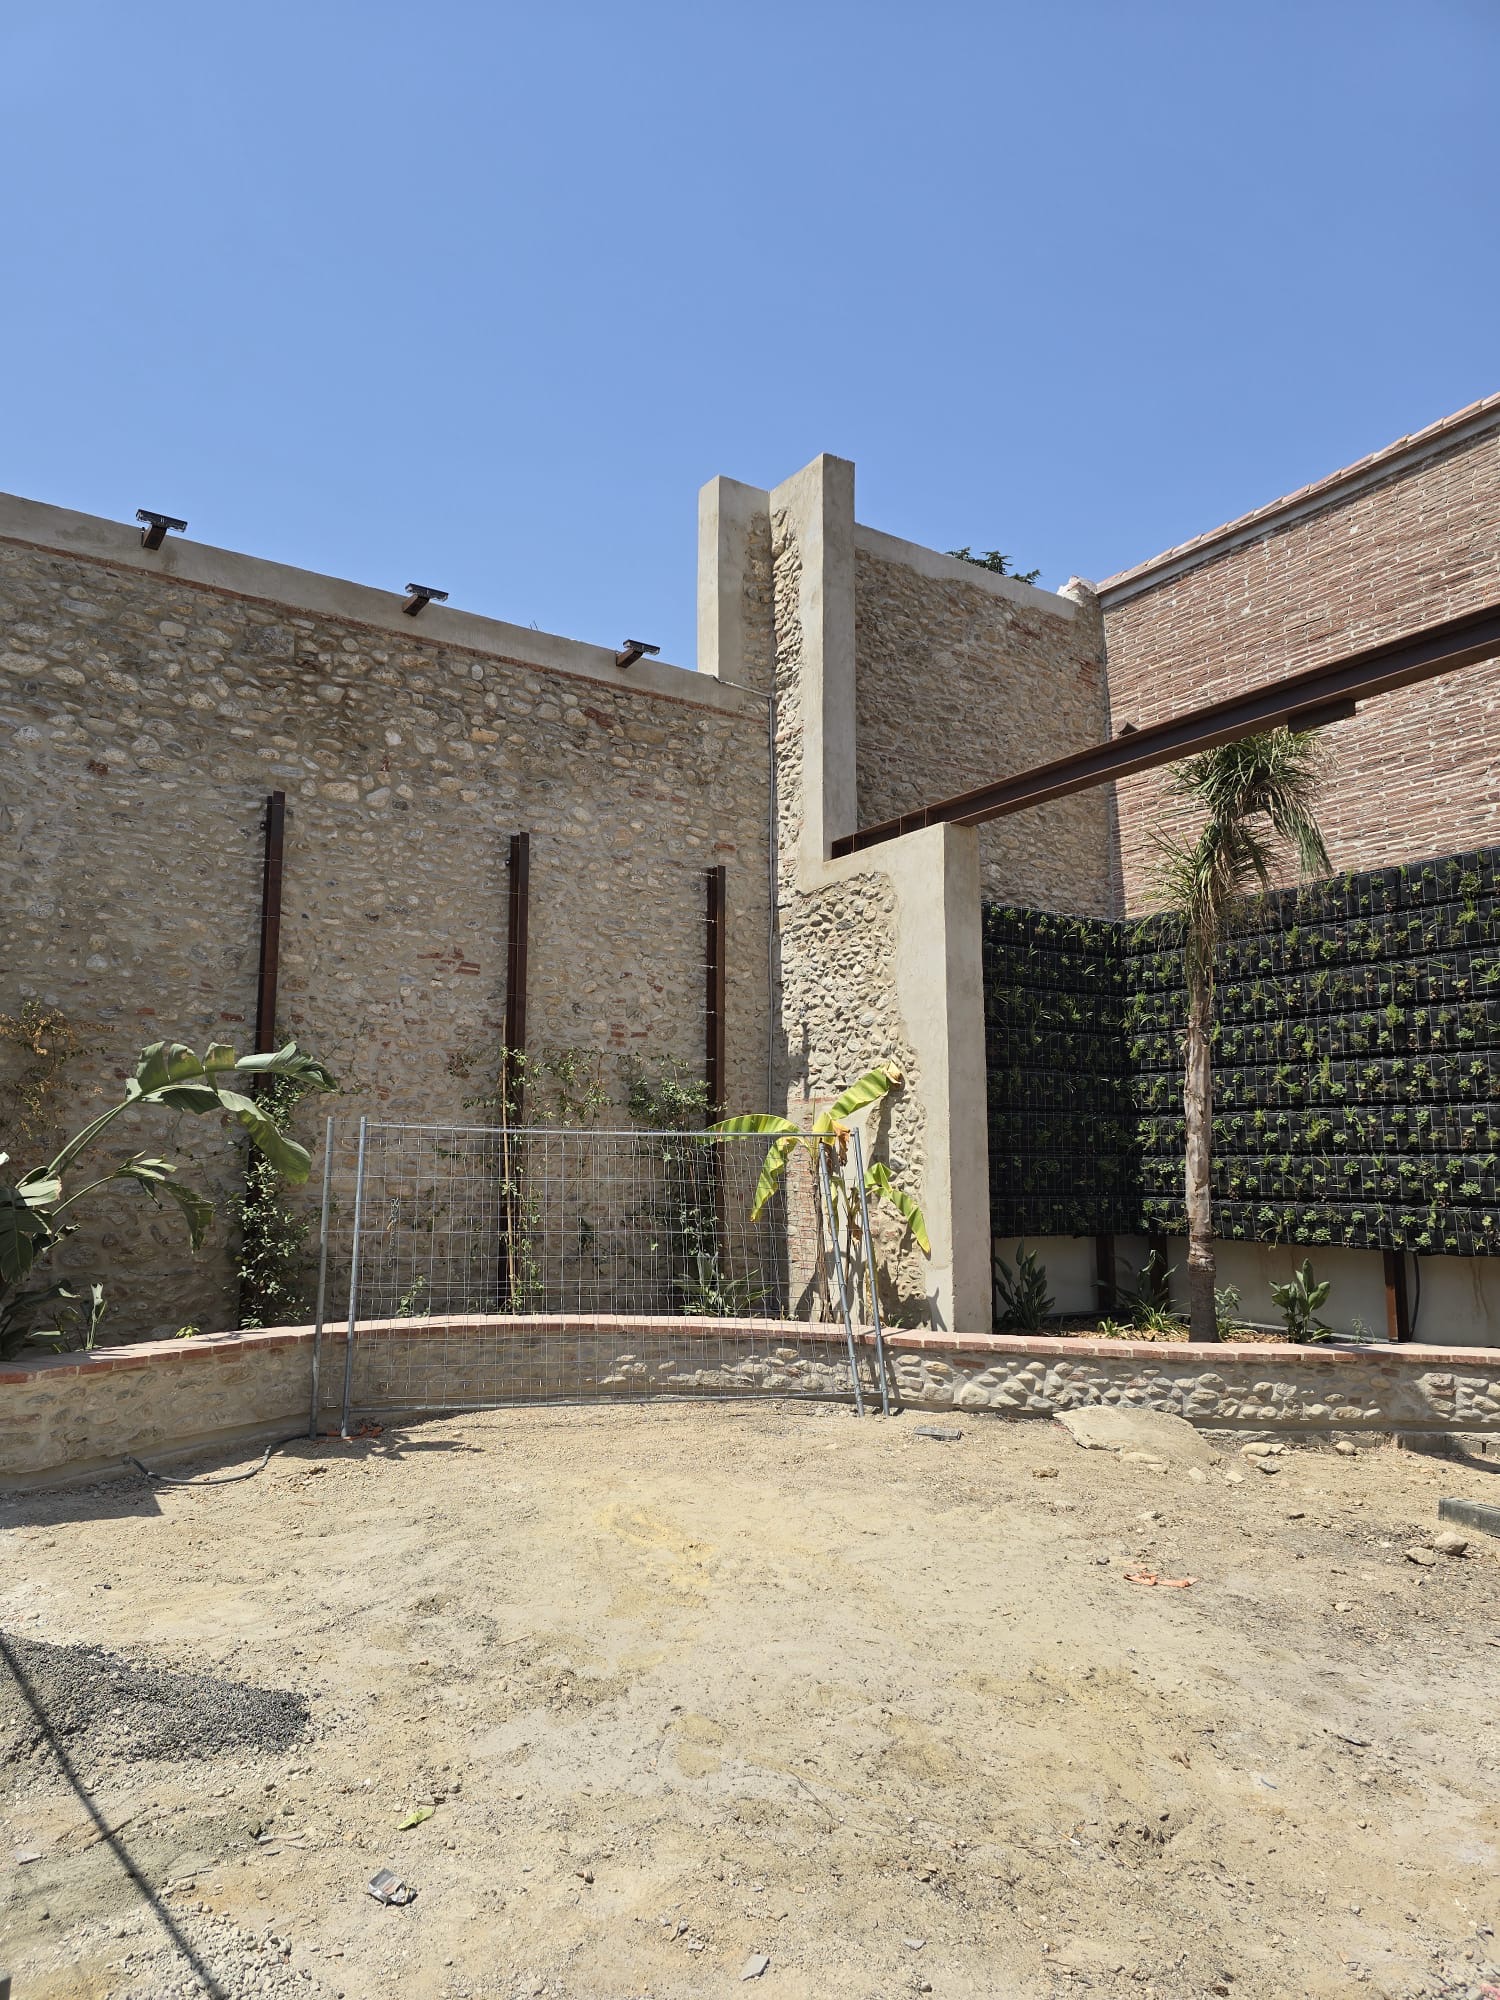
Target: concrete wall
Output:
[(899, 675), (81, 1414), (148, 703), (1401, 540), (1457, 1299)]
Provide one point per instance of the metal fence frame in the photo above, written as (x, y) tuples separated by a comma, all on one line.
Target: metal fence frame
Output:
[(839, 1283)]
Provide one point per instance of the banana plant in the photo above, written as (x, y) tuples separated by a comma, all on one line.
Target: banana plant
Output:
[(829, 1133), (168, 1075)]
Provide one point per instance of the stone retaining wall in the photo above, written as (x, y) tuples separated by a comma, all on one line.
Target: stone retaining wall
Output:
[(71, 1414)]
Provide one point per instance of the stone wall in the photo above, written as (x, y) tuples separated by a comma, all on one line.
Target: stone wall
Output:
[(147, 706), (964, 677), (76, 1414), (1401, 540)]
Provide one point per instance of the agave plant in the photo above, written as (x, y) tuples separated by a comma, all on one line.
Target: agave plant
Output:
[(829, 1135), (169, 1075)]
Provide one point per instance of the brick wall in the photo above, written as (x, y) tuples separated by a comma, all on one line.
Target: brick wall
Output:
[(144, 718), (1415, 773)]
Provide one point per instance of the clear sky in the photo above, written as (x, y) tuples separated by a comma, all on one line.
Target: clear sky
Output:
[(478, 294)]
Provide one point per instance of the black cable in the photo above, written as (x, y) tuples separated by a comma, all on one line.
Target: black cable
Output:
[(221, 1478)]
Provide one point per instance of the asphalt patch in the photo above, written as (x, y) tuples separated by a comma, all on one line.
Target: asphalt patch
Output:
[(128, 1708)]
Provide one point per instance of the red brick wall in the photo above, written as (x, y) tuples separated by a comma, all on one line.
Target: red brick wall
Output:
[(1415, 773)]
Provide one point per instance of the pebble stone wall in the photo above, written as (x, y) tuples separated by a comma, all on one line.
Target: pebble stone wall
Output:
[(143, 720), (958, 686), (77, 1413), (838, 1013), (1416, 772)]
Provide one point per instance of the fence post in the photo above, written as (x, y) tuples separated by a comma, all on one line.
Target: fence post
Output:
[(359, 1204), (838, 1267), (864, 1211), (317, 1352)]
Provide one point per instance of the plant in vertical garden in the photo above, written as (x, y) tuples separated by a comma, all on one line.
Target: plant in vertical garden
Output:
[(1256, 797)]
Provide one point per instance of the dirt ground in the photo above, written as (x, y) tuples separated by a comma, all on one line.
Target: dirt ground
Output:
[(691, 1686)]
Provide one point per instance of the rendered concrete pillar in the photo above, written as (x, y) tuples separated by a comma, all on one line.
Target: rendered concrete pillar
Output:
[(730, 514), (818, 503)]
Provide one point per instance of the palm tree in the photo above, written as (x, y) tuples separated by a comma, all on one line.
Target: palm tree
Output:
[(1257, 797)]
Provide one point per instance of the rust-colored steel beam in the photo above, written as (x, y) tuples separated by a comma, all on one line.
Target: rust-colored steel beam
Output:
[(270, 924), (713, 1007), (517, 930), (1397, 1302), (1305, 701)]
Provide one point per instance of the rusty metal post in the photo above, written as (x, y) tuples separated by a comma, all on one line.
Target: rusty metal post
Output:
[(1397, 1304), (713, 1010), (512, 1081), (270, 925), (1106, 1273)]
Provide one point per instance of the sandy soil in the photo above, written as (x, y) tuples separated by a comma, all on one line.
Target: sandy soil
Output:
[(689, 1686)]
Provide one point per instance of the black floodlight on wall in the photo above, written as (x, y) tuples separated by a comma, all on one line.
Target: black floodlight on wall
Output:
[(632, 650), (155, 526), (420, 594)]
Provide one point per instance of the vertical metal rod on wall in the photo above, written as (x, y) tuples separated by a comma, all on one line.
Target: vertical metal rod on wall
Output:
[(317, 1351), (864, 1212), (1397, 1304), (713, 1007), (1106, 1273), (838, 1268), (359, 1208), (270, 924), (513, 1082)]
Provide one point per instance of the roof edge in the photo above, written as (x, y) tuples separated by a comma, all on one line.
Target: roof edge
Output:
[(1474, 420)]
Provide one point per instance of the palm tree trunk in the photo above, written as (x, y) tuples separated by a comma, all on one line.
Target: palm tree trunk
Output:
[(1197, 1104)]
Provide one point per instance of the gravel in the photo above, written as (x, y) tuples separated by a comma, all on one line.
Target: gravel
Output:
[(127, 1707), (235, 1963)]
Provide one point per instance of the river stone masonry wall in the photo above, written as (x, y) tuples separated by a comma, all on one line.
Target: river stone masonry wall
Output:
[(963, 677), (72, 1414), (1285, 1387), (145, 715)]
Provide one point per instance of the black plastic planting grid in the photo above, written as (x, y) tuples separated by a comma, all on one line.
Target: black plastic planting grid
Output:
[(1356, 1066)]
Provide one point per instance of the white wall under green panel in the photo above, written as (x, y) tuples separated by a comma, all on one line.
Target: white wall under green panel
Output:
[(1455, 1300)]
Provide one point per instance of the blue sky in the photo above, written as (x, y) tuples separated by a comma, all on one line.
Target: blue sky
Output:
[(479, 294)]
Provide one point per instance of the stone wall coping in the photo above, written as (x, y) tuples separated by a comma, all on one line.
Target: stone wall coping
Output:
[(951, 569), (90, 538), (207, 1348)]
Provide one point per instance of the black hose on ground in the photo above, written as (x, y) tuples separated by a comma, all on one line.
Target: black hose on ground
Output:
[(219, 1478)]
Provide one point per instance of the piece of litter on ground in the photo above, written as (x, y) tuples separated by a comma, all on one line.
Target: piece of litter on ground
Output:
[(415, 1817), (1149, 1576), (1269, 1783), (940, 1432), (754, 1965), (388, 1888), (914, 1944), (26, 1854)]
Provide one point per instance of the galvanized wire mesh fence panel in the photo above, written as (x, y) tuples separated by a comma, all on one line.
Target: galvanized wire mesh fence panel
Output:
[(489, 1265)]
